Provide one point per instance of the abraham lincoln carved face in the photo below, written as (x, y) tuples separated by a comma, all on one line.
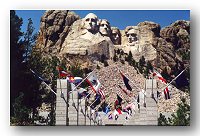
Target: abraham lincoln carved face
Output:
[(131, 36)]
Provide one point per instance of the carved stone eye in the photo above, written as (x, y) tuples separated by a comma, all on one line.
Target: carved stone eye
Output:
[(132, 35), (87, 19), (103, 25), (92, 20)]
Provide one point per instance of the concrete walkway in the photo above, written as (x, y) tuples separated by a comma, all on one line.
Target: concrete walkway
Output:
[(146, 115)]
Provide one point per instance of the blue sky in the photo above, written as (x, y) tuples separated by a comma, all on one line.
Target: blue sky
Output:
[(118, 18)]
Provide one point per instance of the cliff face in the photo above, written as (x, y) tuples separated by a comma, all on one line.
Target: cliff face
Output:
[(173, 46), (54, 27), (65, 33), (62, 32)]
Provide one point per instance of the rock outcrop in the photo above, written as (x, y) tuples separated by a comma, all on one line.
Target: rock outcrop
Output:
[(139, 40), (54, 27), (64, 33), (80, 42), (173, 46)]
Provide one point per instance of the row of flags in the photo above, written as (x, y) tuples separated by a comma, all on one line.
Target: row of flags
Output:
[(164, 81), (180, 81), (98, 89)]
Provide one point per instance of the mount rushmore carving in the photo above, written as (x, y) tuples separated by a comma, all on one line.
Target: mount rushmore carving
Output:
[(64, 32)]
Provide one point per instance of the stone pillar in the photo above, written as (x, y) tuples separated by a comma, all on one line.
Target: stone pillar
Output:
[(60, 103)]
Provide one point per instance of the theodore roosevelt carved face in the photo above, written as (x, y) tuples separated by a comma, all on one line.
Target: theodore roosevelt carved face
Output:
[(115, 36)]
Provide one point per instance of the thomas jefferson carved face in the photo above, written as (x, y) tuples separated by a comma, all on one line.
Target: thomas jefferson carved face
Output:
[(116, 36), (104, 27), (90, 22), (132, 36)]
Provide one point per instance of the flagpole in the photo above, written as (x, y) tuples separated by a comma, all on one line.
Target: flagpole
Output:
[(82, 81), (77, 109), (59, 79), (106, 114), (77, 94), (90, 117), (132, 82), (43, 82), (96, 109), (175, 78), (152, 95), (73, 104), (136, 101), (99, 105), (49, 87), (85, 79), (85, 109), (93, 102), (145, 91)]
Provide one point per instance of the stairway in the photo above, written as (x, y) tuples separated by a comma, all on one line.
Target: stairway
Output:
[(142, 116)]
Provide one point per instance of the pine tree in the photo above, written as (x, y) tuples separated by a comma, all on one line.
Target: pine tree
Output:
[(98, 66), (21, 112), (115, 57), (149, 66), (22, 82), (46, 67), (133, 63), (16, 57), (103, 58), (142, 61), (118, 51), (130, 56), (29, 39), (162, 121), (180, 118), (105, 63), (165, 74)]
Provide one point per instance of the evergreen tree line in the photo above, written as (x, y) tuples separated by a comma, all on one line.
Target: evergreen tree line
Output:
[(144, 67), (27, 93), (180, 118)]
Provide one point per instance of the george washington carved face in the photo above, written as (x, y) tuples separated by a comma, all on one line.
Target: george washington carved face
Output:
[(91, 22)]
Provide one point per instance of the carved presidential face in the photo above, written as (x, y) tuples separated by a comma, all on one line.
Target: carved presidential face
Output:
[(132, 36), (90, 22), (116, 36), (104, 27)]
